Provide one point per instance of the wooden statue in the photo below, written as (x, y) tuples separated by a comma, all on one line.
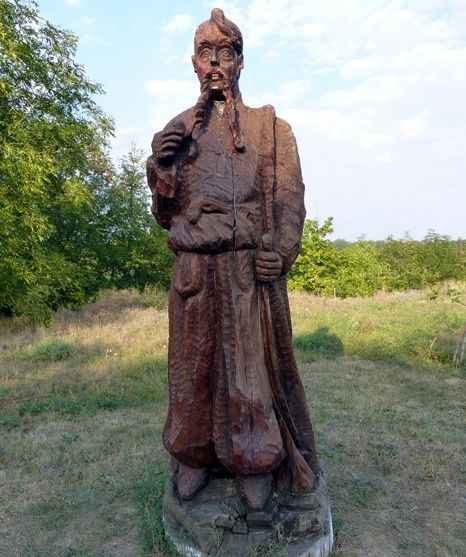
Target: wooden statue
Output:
[(226, 182)]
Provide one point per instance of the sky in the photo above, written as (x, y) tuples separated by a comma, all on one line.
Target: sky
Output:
[(375, 91)]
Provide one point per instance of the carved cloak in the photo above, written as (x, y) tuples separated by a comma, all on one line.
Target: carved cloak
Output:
[(236, 399)]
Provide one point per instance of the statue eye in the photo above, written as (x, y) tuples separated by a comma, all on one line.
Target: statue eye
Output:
[(205, 53), (226, 54)]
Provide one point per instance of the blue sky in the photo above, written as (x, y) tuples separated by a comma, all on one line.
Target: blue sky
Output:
[(374, 90)]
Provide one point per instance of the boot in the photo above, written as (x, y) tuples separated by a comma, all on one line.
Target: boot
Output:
[(256, 490), (191, 481)]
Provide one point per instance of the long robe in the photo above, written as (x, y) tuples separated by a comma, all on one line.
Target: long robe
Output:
[(235, 394)]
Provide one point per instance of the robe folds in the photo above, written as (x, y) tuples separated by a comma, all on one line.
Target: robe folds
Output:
[(235, 396)]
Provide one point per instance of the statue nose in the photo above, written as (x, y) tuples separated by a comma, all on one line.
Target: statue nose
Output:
[(214, 58)]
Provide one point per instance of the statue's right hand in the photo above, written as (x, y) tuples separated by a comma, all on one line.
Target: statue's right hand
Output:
[(169, 142)]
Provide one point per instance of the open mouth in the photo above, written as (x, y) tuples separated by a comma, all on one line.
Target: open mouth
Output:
[(215, 76)]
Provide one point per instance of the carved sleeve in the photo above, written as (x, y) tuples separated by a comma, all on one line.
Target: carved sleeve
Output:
[(163, 184), (289, 195)]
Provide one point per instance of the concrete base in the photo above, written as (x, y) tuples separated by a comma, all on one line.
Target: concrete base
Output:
[(216, 523)]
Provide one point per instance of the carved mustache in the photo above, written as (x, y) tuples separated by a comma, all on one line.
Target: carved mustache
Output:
[(202, 103), (209, 75), (207, 81)]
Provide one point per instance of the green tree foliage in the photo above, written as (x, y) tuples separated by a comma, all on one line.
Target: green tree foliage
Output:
[(71, 224), (133, 248), (412, 264), (360, 271), (53, 140), (315, 267), (361, 268)]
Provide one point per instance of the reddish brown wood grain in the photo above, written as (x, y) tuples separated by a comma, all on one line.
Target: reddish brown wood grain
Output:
[(226, 182)]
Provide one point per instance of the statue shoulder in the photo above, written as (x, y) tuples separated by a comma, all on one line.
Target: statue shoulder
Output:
[(186, 117), (268, 111), (283, 130)]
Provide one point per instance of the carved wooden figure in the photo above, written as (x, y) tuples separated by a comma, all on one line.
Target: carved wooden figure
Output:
[(226, 182)]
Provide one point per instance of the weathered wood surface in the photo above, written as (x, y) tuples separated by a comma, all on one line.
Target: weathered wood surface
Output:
[(216, 523), (226, 182)]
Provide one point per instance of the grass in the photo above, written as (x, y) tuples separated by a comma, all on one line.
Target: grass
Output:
[(83, 403), (149, 490), (50, 350)]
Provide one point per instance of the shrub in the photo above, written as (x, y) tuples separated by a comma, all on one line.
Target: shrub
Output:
[(52, 350)]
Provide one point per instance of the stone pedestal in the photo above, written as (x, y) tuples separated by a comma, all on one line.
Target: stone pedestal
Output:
[(217, 524)]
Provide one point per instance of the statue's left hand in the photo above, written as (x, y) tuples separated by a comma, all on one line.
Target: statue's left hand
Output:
[(269, 265)]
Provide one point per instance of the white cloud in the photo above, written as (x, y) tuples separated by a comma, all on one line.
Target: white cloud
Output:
[(385, 157), (178, 24), (380, 127), (91, 38), (288, 93), (373, 140), (87, 21), (394, 59), (411, 127), (170, 87), (171, 96), (125, 136), (375, 94), (171, 59)]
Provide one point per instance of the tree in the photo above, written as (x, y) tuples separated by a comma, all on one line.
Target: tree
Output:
[(315, 267), (53, 140), (340, 243), (360, 271), (361, 268), (134, 250)]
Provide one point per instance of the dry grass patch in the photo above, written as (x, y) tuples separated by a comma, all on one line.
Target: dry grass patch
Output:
[(109, 355), (392, 442), (82, 469), (71, 487), (401, 327)]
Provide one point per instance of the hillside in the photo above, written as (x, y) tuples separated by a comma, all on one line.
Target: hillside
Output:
[(83, 404)]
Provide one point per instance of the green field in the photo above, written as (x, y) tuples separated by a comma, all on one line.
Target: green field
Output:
[(83, 402)]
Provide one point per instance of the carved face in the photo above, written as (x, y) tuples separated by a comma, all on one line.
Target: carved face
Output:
[(216, 62)]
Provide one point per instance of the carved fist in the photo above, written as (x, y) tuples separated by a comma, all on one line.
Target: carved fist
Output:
[(269, 265), (170, 141)]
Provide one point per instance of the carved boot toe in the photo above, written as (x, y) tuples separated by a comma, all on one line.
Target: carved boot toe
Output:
[(190, 481), (256, 490)]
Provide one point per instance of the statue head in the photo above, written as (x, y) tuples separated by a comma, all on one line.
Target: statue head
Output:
[(218, 55)]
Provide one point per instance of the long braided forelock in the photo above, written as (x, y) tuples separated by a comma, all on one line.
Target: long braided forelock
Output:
[(228, 28), (200, 113), (233, 123)]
